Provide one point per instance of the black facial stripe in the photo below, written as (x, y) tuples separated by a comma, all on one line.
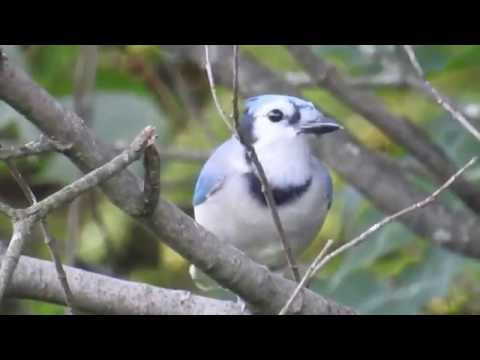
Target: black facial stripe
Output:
[(246, 128), (281, 196), (295, 118)]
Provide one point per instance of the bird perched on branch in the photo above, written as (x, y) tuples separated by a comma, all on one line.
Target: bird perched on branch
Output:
[(228, 199)]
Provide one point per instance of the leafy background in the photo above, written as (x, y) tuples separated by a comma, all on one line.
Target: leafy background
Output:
[(395, 272)]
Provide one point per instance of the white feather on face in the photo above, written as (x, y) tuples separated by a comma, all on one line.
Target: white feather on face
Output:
[(277, 143), (266, 131)]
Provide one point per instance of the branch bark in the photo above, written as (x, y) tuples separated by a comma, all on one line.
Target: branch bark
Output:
[(37, 147), (402, 131), (224, 263), (36, 279), (361, 167)]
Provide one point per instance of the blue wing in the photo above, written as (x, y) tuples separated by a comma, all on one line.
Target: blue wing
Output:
[(217, 168), (326, 181)]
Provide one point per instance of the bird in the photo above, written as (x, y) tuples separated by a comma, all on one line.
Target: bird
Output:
[(228, 200)]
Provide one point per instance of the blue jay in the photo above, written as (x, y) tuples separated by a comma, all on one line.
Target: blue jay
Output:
[(228, 199)]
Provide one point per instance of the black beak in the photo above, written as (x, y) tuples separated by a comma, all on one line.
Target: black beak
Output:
[(321, 126)]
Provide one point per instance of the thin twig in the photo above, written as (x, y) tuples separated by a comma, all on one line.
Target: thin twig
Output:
[(213, 89), (267, 291), (306, 278), (439, 98), (48, 238), (95, 177), (23, 223), (393, 217), (252, 155), (40, 146), (52, 245), (260, 173), (21, 229), (268, 194), (321, 260), (151, 184)]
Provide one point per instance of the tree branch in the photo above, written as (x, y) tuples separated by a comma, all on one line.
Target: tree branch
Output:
[(48, 238), (21, 229), (260, 173), (360, 166), (40, 146), (397, 128), (24, 220), (132, 153), (99, 294), (439, 98), (322, 260), (224, 263)]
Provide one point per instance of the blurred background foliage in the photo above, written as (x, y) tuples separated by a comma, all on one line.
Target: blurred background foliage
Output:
[(394, 272)]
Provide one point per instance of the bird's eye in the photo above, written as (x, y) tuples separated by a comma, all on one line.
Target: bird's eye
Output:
[(275, 115)]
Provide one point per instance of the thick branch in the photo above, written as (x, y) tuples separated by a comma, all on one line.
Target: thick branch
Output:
[(97, 176), (399, 129), (380, 180), (321, 260), (223, 262), (99, 294)]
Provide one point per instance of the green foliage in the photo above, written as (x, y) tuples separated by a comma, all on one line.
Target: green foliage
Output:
[(394, 272)]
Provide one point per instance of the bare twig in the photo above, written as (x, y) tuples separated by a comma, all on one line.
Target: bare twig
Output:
[(360, 166), (49, 240), (393, 217), (267, 191), (24, 220), (213, 89), (400, 129), (439, 98), (322, 260), (40, 146), (266, 291), (52, 245), (308, 275), (252, 155), (95, 177), (151, 184), (21, 229)]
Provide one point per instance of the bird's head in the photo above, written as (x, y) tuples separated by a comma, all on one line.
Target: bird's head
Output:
[(272, 118)]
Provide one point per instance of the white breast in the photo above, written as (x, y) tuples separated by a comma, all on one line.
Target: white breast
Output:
[(234, 216)]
